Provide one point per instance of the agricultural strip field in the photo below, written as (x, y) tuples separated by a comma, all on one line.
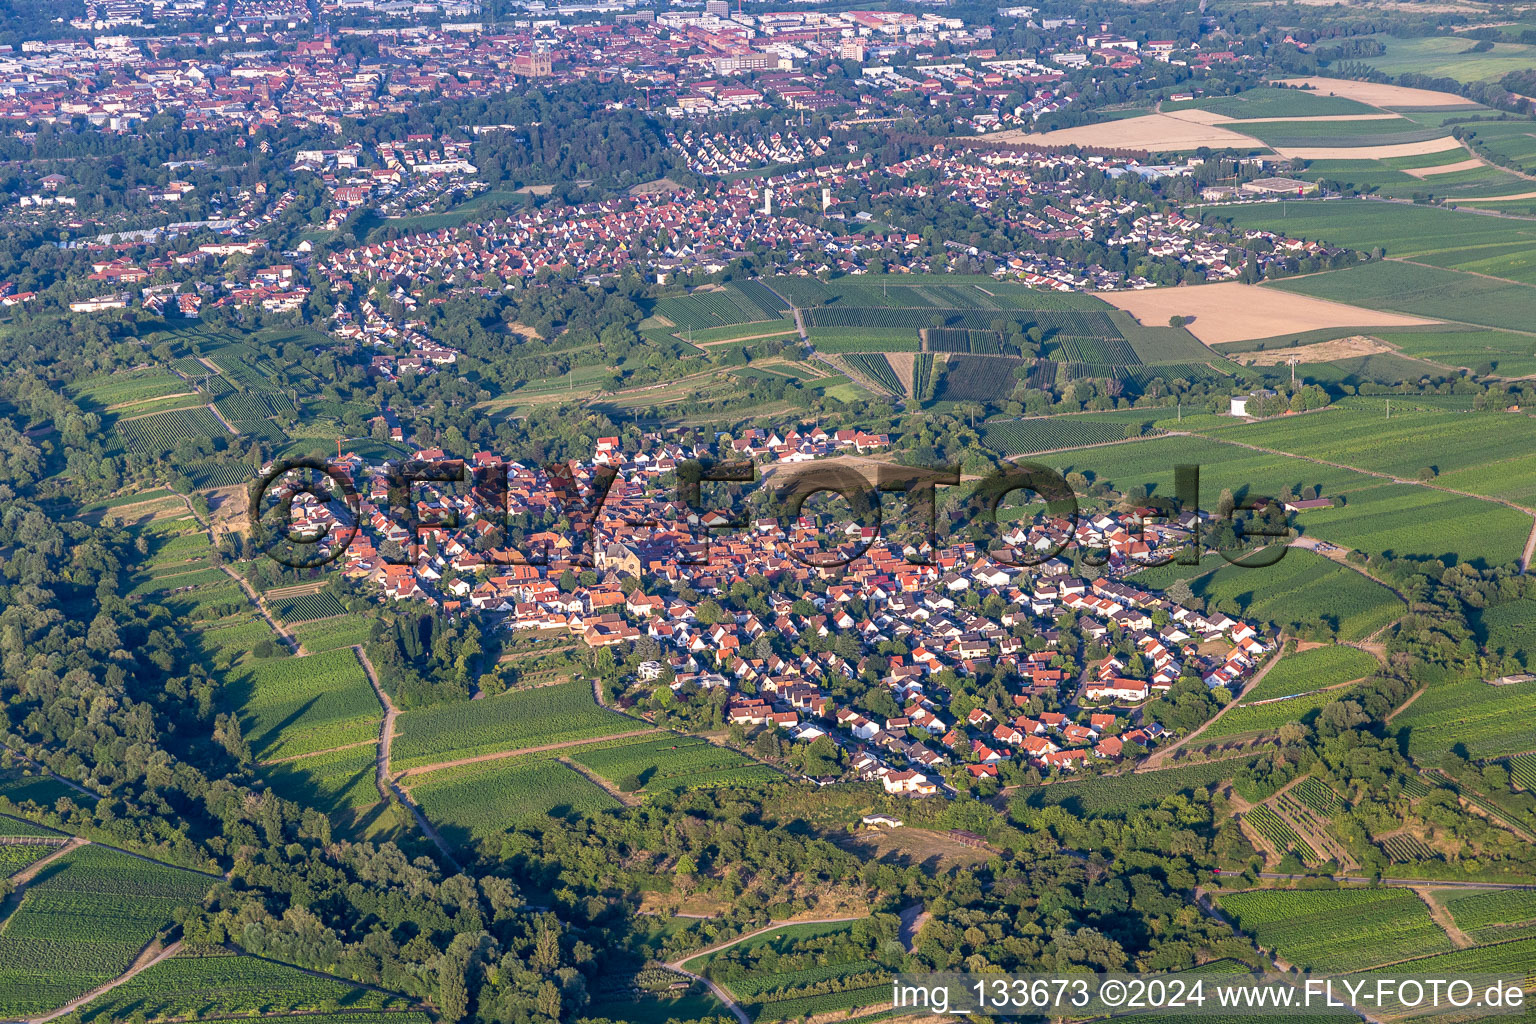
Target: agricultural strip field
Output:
[(82, 921), (212, 981), (14, 857), (1377, 516), (671, 762), (1425, 291), (327, 634), (1117, 794), (1492, 916), (1231, 311), (338, 782), (1269, 717), (1272, 102), (512, 721), (157, 434), (486, 798), (10, 827), (1023, 437), (864, 339), (1313, 670), (1337, 930), (290, 705), (305, 607), (1407, 442), (1301, 589), (1424, 233), (1509, 630), (1486, 720), (111, 389), (978, 378), (1507, 353)]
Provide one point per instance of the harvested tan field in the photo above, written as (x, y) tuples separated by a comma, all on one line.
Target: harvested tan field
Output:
[(1370, 152), (1231, 311), (1322, 352), (1496, 199), (901, 365), (1152, 132), (1211, 117), (1471, 163), (1378, 95)]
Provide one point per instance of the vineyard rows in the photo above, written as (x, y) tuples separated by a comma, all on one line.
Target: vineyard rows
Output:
[(877, 368), (1406, 849), (1339, 929), (1112, 350), (212, 982), (667, 757), (83, 922), (922, 376), (300, 705), (488, 797), (1317, 796), (305, 607), (157, 434), (1021, 437), (978, 378), (1523, 770), (1279, 832), (527, 718)]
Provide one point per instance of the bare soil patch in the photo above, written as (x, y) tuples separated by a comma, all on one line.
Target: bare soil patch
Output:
[(1379, 95), (1469, 164), (1153, 133), (1231, 311), (1322, 352), (1369, 152)]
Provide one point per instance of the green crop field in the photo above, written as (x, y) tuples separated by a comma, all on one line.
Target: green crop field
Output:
[(1341, 133), (1270, 101), (1428, 234), (864, 339), (326, 634), (82, 921), (1377, 517), (1269, 716), (14, 857), (1508, 630), (1300, 589), (877, 368), (1313, 670), (129, 386), (23, 784), (486, 798), (1492, 916), (1506, 353), (1506, 958), (1407, 442), (1117, 794), (154, 435), (1486, 720), (291, 705), (672, 762), (512, 721), (10, 826), (1449, 57), (1023, 437), (338, 782), (212, 982), (1423, 291), (977, 378), (1337, 930)]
